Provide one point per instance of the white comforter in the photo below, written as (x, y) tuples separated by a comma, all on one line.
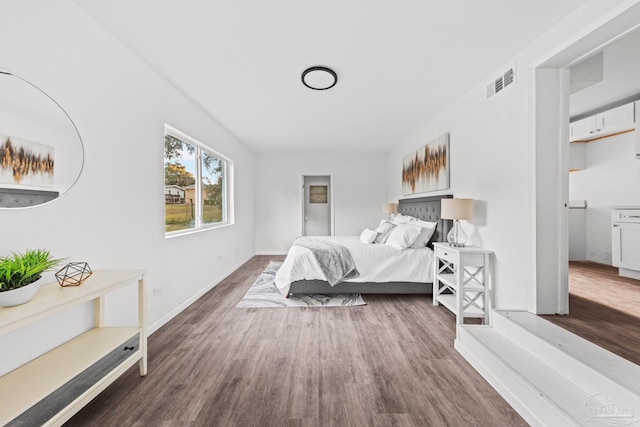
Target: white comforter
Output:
[(375, 262)]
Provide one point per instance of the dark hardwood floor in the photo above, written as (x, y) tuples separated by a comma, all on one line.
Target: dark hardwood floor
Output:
[(389, 363), (604, 308)]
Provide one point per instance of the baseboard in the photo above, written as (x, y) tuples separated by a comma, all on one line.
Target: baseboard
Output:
[(271, 252), (599, 260), (632, 274), (179, 309)]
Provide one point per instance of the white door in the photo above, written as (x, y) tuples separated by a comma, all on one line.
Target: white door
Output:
[(316, 208)]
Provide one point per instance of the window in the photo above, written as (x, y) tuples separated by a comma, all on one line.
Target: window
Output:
[(196, 185)]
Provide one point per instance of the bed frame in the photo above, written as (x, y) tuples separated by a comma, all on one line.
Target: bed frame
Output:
[(424, 208)]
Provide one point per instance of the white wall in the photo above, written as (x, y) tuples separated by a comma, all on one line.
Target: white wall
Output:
[(611, 177), (359, 185), (113, 217), (493, 160), (620, 80), (486, 164)]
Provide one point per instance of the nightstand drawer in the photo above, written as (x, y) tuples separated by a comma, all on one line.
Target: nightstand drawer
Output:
[(447, 254)]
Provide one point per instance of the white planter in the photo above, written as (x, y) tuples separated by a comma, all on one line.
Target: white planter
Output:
[(20, 295)]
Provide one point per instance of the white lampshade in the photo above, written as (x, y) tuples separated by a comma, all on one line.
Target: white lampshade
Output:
[(389, 208), (457, 209)]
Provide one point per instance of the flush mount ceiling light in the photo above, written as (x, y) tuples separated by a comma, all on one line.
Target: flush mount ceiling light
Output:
[(319, 78)]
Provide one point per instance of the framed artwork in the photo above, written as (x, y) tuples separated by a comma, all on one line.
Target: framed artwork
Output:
[(427, 169), (318, 194), (25, 163)]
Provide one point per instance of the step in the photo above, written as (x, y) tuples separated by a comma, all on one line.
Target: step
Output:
[(597, 369), (540, 394), (550, 376)]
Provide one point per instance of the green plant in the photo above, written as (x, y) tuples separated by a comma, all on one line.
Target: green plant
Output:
[(18, 270)]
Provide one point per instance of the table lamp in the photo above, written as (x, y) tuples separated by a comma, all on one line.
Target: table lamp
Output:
[(389, 208), (457, 209)]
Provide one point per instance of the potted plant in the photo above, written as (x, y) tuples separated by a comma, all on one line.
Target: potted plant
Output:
[(19, 275)]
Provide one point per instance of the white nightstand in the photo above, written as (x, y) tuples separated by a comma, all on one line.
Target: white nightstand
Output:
[(462, 282)]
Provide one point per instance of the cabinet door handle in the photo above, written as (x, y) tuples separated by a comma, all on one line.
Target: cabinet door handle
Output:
[(616, 225), (630, 216)]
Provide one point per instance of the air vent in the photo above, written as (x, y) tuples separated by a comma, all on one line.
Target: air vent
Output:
[(491, 90), (498, 84), (509, 77), (502, 82)]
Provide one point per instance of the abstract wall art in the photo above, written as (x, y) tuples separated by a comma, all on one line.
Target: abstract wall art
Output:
[(427, 169), (25, 163)]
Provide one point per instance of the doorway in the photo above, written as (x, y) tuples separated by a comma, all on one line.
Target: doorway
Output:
[(550, 132), (595, 319), (603, 305), (317, 205)]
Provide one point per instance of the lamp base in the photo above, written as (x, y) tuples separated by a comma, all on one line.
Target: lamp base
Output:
[(457, 237)]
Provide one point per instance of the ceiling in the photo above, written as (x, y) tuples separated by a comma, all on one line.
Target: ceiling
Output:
[(399, 63)]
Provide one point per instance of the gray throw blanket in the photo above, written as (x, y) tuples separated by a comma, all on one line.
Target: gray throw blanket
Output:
[(335, 260)]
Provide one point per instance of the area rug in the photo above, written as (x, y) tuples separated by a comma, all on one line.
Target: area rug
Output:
[(264, 293)]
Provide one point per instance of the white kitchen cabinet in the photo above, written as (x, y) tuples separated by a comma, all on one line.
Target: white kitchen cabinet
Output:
[(625, 240), (582, 129), (608, 122)]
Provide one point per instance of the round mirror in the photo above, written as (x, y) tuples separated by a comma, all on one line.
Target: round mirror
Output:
[(41, 153)]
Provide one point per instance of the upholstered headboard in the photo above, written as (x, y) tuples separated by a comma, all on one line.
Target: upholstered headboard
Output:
[(18, 198), (428, 209)]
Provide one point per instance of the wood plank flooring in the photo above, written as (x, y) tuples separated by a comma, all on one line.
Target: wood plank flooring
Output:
[(389, 363), (604, 308)]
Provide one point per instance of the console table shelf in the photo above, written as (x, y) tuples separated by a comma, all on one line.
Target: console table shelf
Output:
[(92, 360), (462, 281)]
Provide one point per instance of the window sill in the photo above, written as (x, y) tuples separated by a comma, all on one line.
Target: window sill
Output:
[(179, 233)]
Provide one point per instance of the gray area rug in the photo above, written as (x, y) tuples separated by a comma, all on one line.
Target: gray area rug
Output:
[(264, 293)]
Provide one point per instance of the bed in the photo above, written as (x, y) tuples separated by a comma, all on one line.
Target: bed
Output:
[(383, 269)]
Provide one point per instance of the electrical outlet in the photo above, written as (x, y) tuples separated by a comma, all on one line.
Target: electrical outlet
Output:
[(158, 291)]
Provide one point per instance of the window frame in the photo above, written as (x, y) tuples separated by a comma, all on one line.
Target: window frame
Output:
[(227, 186)]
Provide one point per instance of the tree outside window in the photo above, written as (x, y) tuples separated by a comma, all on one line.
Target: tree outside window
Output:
[(195, 182)]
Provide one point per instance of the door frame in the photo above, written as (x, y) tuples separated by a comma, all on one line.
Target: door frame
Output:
[(332, 206), (549, 135)]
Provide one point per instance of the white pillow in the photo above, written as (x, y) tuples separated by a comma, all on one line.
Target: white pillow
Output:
[(383, 231), (428, 228), (368, 236), (401, 219), (403, 236)]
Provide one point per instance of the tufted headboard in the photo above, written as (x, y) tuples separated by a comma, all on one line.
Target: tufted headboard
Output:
[(428, 209), (18, 198)]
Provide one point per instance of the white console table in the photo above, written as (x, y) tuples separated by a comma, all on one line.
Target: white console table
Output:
[(462, 281), (53, 387)]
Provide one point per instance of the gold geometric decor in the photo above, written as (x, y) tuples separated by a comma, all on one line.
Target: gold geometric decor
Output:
[(73, 274)]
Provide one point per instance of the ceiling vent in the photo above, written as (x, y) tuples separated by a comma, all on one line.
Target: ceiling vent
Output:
[(503, 81)]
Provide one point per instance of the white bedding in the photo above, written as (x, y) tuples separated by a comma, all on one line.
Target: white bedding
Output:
[(375, 262)]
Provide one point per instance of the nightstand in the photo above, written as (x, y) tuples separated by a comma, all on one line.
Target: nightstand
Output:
[(462, 281)]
